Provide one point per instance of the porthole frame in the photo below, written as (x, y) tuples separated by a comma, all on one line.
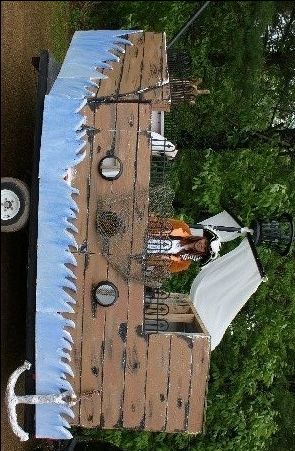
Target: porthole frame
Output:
[(100, 168), (109, 284)]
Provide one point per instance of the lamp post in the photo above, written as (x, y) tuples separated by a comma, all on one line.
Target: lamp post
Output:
[(277, 233)]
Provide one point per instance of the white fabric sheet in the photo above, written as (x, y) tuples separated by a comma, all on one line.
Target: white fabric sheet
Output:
[(223, 287)]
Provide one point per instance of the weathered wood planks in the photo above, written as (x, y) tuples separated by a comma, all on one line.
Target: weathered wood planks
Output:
[(124, 377), (141, 74), (155, 72), (130, 82), (136, 344), (179, 383), (104, 345), (114, 356), (93, 330), (200, 369), (96, 270), (157, 382)]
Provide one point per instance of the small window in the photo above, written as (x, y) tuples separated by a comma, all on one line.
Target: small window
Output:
[(110, 168), (106, 294)]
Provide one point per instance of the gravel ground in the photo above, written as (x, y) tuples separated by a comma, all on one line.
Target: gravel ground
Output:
[(24, 32)]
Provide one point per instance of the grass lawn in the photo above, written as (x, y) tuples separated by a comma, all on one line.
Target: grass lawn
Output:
[(60, 29)]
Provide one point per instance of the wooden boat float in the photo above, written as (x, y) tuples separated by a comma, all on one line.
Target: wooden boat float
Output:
[(124, 373), (127, 377)]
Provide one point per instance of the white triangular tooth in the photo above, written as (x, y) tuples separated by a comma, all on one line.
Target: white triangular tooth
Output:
[(104, 66), (66, 434), (69, 323), (65, 385), (81, 123), (64, 354), (75, 190), (118, 47), (80, 156), (123, 41), (67, 298), (68, 308), (91, 93), (63, 421), (92, 84), (68, 284), (80, 147), (116, 56), (71, 226), (71, 239), (113, 57), (66, 410), (70, 258), (68, 336), (81, 134), (98, 75), (70, 213), (69, 301), (70, 273), (66, 368), (67, 345), (81, 106)]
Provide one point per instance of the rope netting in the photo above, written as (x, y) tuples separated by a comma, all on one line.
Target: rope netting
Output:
[(124, 228)]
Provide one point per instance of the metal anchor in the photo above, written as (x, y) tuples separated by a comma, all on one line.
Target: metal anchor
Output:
[(12, 400)]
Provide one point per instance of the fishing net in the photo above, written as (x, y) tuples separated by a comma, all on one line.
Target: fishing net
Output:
[(124, 226)]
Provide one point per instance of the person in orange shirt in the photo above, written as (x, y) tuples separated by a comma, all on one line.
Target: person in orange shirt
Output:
[(172, 243)]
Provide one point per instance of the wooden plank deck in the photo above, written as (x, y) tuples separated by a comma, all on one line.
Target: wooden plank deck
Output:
[(126, 146), (141, 74), (179, 384), (124, 377), (200, 369), (155, 72), (136, 344), (157, 382)]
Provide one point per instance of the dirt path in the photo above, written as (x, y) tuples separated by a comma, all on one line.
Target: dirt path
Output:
[(25, 31)]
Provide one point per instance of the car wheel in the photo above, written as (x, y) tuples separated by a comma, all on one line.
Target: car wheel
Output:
[(15, 204)]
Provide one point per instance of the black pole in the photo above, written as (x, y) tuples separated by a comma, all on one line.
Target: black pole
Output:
[(184, 28), (220, 228)]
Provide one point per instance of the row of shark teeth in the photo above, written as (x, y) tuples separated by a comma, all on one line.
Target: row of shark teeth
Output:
[(64, 139)]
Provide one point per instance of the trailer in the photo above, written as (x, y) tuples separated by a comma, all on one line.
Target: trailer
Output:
[(107, 347)]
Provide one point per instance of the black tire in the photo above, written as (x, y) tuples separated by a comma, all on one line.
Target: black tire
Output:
[(14, 192)]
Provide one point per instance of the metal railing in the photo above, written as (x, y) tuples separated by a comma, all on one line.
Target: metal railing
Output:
[(159, 307), (163, 153)]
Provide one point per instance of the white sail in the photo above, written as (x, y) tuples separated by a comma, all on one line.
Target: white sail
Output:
[(223, 287)]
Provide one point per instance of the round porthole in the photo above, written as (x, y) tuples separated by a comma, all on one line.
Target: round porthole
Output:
[(106, 294), (110, 168)]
